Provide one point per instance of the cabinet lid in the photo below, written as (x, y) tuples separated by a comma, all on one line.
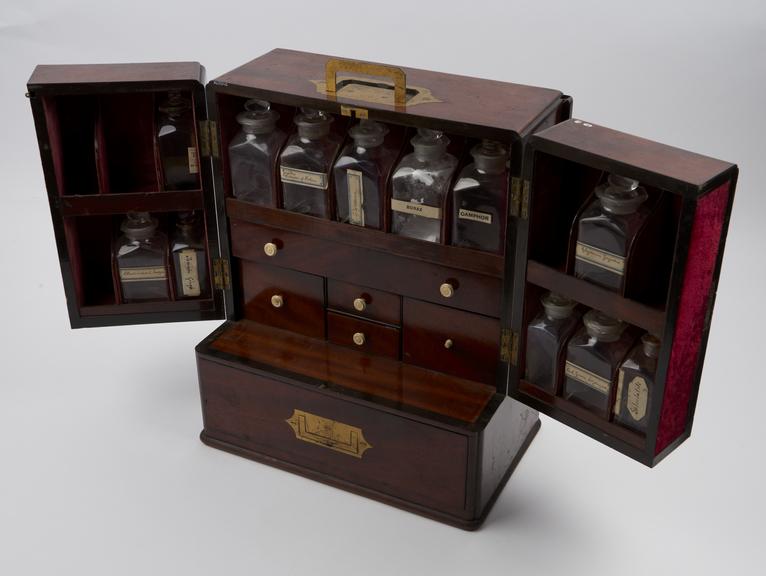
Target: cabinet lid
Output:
[(96, 131)]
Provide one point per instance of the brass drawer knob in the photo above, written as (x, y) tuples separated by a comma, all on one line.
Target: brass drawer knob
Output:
[(447, 290), (358, 338), (270, 249), (360, 304), (448, 343), (277, 301)]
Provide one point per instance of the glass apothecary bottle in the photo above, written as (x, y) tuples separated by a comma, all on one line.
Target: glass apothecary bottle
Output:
[(606, 230), (190, 263), (141, 259), (635, 384), (360, 175), (306, 162), (253, 153), (546, 336), (420, 184), (176, 143), (593, 355), (480, 199)]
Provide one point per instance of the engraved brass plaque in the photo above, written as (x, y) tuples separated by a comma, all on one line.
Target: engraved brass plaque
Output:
[(331, 434), (365, 89)]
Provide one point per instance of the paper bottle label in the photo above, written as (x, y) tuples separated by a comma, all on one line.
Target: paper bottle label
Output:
[(303, 177), (143, 274), (637, 398), (193, 162), (601, 258), (189, 273), (598, 383), (354, 181), (482, 217), (416, 209)]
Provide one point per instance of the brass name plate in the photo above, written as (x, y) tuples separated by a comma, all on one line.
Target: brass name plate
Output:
[(601, 258), (331, 434), (598, 383), (482, 217), (143, 274), (364, 89), (303, 177), (416, 209)]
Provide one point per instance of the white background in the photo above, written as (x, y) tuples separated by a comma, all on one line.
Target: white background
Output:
[(101, 469)]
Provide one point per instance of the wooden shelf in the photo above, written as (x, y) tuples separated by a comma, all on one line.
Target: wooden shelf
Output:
[(202, 304), (105, 204), (650, 319)]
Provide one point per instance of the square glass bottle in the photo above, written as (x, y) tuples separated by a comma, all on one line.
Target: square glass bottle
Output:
[(141, 259), (176, 143), (593, 355), (189, 255), (606, 229), (635, 384)]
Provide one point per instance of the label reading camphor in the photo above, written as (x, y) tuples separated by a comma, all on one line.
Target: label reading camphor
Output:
[(601, 258), (187, 265), (482, 217), (303, 177), (587, 377), (416, 209), (354, 181), (143, 274)]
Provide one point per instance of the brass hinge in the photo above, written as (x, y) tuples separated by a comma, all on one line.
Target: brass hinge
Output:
[(221, 274), (520, 198), (208, 138), (353, 111), (509, 346)]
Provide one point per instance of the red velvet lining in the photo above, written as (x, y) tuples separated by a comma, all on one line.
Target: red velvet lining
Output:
[(709, 216)]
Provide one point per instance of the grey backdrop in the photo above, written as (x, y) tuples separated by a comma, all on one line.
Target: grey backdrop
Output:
[(101, 470)]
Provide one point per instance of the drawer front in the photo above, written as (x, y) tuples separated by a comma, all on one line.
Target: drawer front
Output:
[(284, 298), (451, 341), (308, 428), (365, 302), (363, 267), (363, 335)]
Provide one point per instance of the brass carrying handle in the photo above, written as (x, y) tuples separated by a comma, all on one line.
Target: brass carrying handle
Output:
[(335, 65)]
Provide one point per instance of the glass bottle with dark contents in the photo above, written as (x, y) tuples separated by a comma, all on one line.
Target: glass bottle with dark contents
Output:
[(176, 143), (190, 265), (305, 164), (420, 185), (593, 356), (253, 153), (480, 198), (635, 384), (546, 336), (606, 230), (360, 175), (141, 258)]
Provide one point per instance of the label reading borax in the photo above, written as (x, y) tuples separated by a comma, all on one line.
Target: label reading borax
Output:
[(354, 181), (416, 209), (482, 217)]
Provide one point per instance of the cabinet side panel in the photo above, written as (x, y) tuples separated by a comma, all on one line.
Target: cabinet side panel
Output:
[(693, 317)]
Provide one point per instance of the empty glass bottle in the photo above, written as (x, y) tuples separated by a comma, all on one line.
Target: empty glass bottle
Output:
[(176, 143), (546, 336), (419, 187), (480, 198), (190, 266), (593, 356), (141, 258), (635, 384), (253, 153), (360, 175), (606, 230), (305, 164)]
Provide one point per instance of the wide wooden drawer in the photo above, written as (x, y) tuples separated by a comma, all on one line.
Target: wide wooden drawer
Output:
[(364, 267), (322, 433), (451, 341), (363, 335), (283, 298), (364, 302)]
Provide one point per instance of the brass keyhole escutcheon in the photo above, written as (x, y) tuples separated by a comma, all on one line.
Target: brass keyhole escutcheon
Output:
[(270, 249), (448, 343), (358, 338), (277, 301), (447, 290), (360, 304)]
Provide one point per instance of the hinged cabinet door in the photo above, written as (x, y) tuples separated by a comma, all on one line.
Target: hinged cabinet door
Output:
[(633, 230), (131, 139)]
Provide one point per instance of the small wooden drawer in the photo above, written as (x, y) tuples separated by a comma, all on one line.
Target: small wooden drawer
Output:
[(451, 341), (284, 298), (363, 335), (366, 302)]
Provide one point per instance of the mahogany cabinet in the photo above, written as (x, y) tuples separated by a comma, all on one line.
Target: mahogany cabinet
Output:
[(384, 365)]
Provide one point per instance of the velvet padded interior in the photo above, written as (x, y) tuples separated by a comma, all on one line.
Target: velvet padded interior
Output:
[(709, 217)]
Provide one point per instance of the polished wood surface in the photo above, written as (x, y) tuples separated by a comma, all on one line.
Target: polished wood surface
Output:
[(403, 384), (288, 74), (378, 305), (283, 298), (123, 203), (451, 341), (376, 338), (648, 161), (64, 75)]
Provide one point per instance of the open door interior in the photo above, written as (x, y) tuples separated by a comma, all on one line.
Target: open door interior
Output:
[(633, 230), (125, 151)]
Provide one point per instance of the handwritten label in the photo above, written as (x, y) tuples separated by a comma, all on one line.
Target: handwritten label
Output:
[(193, 161), (303, 177), (637, 398), (143, 274), (189, 273), (601, 258), (416, 209), (355, 183), (591, 380)]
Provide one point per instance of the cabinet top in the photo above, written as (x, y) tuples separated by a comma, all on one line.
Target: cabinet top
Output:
[(88, 74), (437, 96)]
